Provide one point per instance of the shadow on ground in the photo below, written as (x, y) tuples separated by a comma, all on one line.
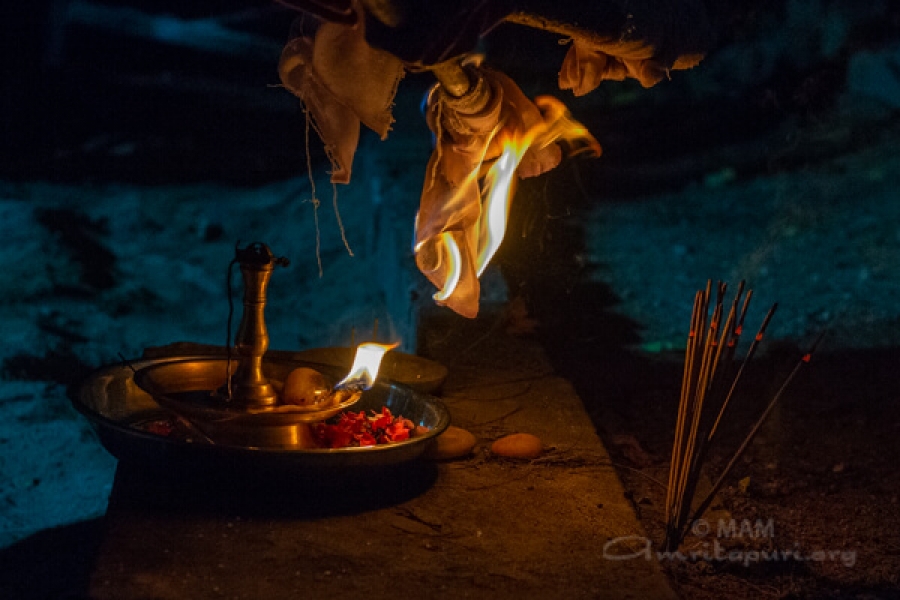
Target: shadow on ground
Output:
[(51, 564)]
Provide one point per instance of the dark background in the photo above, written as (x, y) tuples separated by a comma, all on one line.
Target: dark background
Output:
[(91, 91)]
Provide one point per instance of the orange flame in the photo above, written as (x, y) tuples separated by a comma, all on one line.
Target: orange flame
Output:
[(449, 253), (498, 185), (468, 190), (366, 364), (491, 226)]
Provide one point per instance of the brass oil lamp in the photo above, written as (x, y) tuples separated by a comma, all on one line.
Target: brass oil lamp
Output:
[(248, 386)]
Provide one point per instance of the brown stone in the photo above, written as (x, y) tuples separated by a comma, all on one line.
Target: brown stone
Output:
[(518, 445), (453, 443)]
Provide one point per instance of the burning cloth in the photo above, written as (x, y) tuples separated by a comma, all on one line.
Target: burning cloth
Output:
[(482, 141)]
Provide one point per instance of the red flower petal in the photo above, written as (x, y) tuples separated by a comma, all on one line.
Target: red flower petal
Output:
[(366, 439)]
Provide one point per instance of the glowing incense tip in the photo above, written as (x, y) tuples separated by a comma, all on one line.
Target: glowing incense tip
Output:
[(365, 366)]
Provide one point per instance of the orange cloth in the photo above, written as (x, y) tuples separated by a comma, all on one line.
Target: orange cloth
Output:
[(469, 132), (342, 81), (586, 65)]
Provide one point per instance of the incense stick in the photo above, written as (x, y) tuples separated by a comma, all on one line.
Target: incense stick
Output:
[(804, 360), (702, 358), (675, 465), (750, 352), (688, 476), (690, 405), (708, 355)]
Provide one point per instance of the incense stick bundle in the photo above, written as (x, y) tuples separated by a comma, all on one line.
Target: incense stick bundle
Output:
[(708, 356), (694, 384), (707, 500)]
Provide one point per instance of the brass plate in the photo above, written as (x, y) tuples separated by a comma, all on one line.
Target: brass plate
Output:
[(117, 407)]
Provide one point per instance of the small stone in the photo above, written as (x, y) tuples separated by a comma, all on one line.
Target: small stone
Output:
[(453, 443), (518, 445)]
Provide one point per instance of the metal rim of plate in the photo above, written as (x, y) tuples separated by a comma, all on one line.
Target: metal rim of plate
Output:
[(115, 406)]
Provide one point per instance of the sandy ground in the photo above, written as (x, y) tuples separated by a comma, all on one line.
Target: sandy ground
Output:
[(823, 242)]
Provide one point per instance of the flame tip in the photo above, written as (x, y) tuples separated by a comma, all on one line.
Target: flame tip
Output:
[(366, 364)]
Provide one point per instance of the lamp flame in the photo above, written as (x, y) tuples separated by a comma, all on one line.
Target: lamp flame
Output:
[(365, 367)]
